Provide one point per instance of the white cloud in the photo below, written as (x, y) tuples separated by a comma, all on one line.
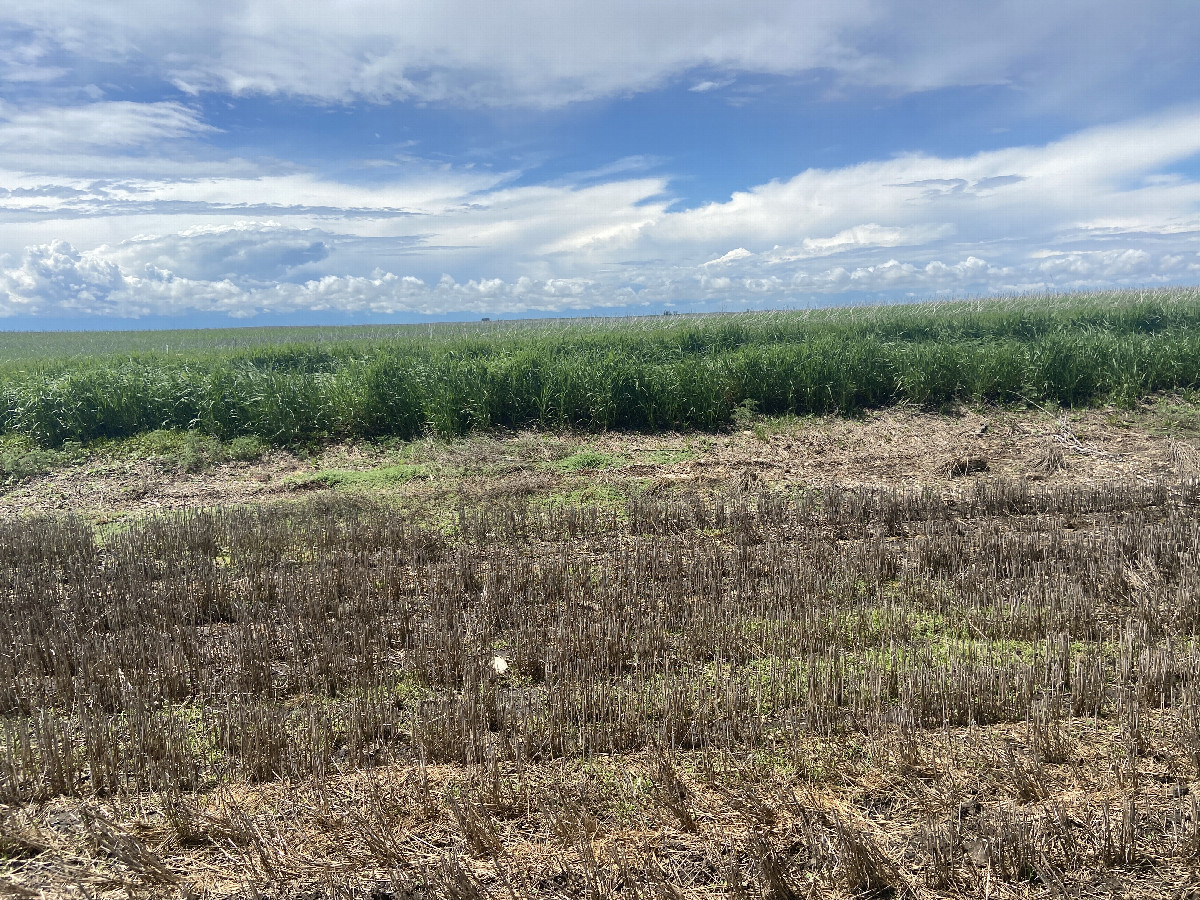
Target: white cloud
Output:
[(732, 256), (55, 278), (894, 275), (465, 51), (59, 279), (527, 52), (21, 60), (703, 87), (868, 235), (131, 207), (102, 125), (1019, 193), (247, 251), (1097, 266)]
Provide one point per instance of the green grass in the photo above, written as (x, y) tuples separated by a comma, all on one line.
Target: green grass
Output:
[(295, 386), (590, 461), (1179, 415), (595, 493), (21, 458), (190, 451)]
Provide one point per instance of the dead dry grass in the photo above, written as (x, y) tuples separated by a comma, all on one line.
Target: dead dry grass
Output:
[(954, 812), (822, 658)]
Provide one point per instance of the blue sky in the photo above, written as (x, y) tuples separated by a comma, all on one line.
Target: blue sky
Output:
[(372, 160)]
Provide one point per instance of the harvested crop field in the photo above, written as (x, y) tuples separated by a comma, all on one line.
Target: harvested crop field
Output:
[(812, 657)]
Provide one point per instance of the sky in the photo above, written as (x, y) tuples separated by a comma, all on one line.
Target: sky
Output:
[(252, 162)]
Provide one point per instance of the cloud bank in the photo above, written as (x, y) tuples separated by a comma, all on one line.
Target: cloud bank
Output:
[(1102, 207)]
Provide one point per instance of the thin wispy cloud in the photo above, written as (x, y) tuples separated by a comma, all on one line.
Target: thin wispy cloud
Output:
[(99, 126)]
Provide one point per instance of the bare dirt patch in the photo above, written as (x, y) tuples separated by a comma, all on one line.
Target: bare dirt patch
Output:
[(103, 488)]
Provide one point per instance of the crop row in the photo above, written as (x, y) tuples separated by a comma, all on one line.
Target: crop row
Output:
[(635, 377)]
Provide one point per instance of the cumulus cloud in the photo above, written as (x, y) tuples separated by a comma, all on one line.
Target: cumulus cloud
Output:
[(57, 278), (125, 208), (1083, 267), (54, 278), (249, 251), (1018, 193)]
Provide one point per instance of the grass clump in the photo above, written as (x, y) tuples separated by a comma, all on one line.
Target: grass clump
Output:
[(192, 451), (590, 461), (1179, 414), (247, 448), (21, 459)]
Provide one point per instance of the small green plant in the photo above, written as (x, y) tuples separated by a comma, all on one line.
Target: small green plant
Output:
[(745, 414), (161, 442), (191, 451), (746, 418), (246, 449), (590, 460), (1179, 414), (199, 452)]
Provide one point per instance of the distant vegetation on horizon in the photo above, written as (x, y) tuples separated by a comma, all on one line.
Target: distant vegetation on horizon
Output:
[(287, 385)]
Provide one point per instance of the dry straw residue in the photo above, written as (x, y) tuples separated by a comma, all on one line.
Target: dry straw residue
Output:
[(842, 691)]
